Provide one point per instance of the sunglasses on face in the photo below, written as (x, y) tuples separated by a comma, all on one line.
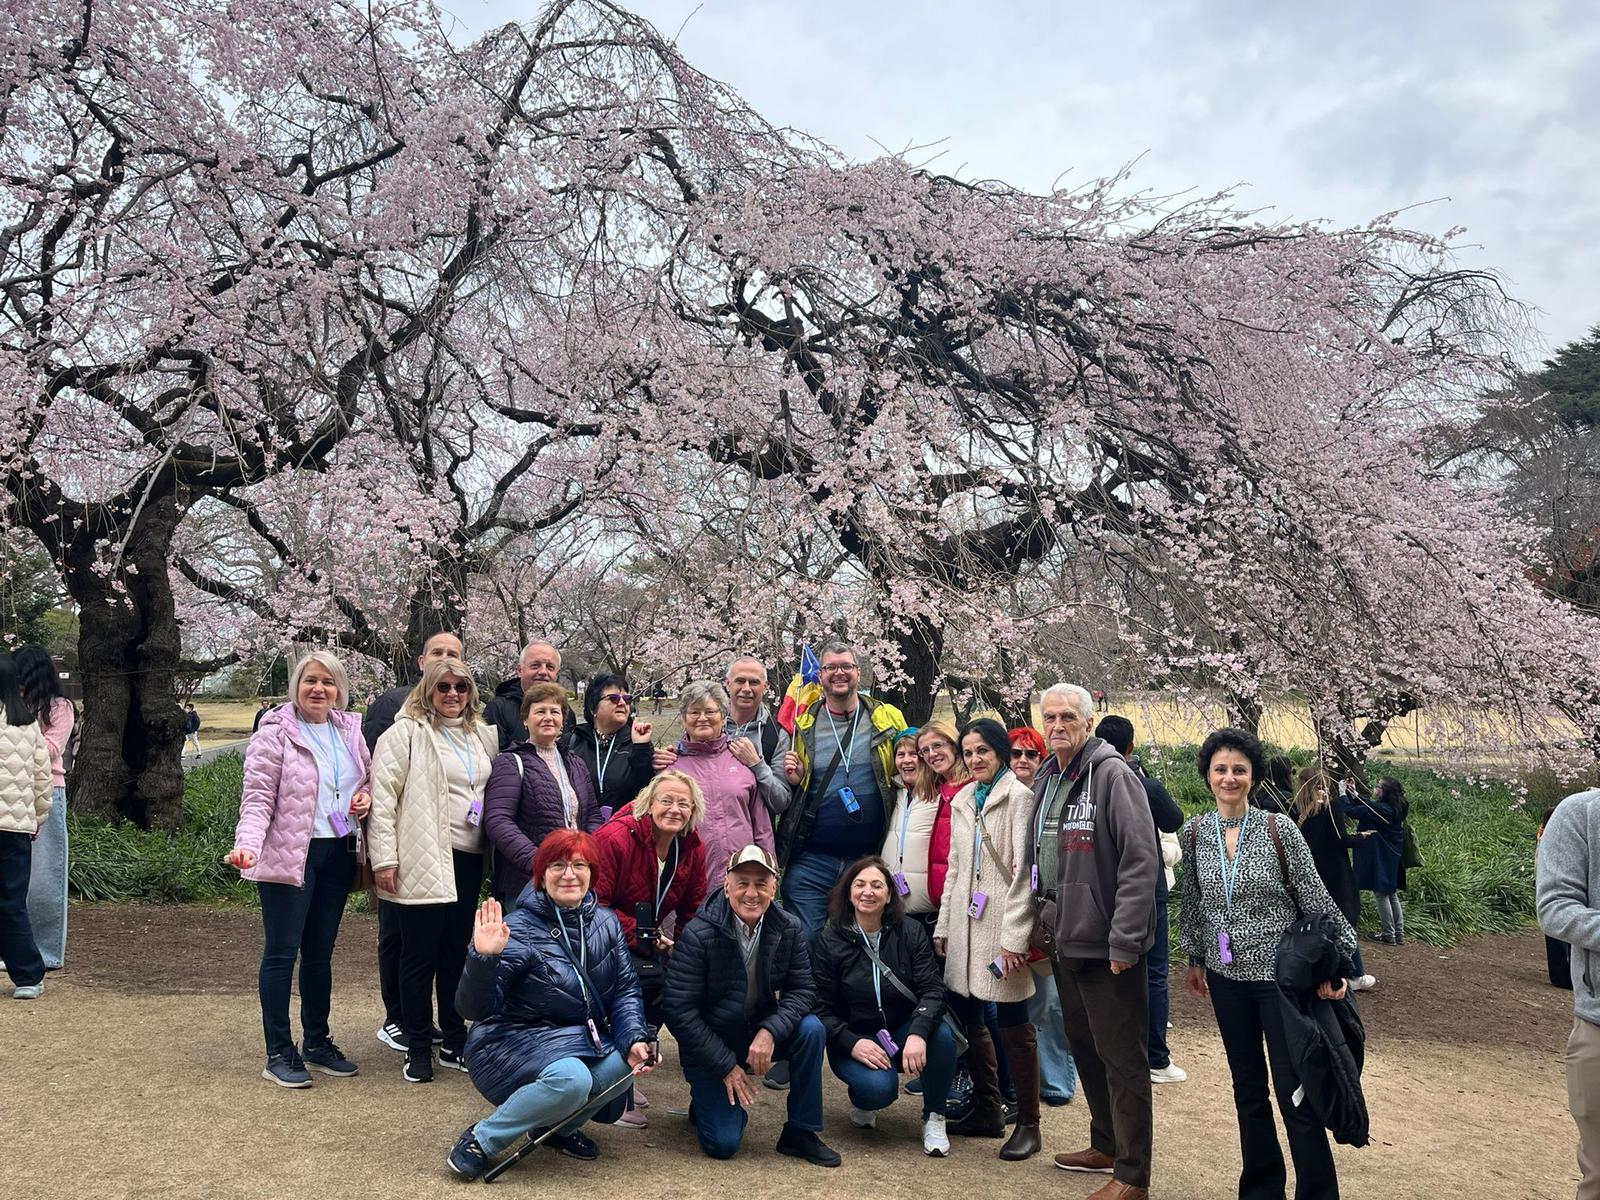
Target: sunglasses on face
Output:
[(618, 697), (446, 687), (1030, 755)]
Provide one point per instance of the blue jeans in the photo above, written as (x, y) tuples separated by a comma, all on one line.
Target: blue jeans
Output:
[(720, 1126), (17, 947), (564, 1095), (807, 881), (303, 921), (872, 1089), (47, 889), (1156, 964), (1058, 1078)]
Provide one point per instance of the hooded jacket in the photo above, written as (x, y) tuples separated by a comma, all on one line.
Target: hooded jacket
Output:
[(1568, 889), (523, 807), (628, 766), (846, 1001), (526, 1004), (1327, 1042), (278, 803), (736, 816), (626, 874), (704, 998), (1108, 859), (504, 712)]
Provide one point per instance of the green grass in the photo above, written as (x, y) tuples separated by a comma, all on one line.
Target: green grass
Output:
[(1476, 839)]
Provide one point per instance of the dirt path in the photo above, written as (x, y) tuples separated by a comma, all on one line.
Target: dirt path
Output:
[(136, 1075)]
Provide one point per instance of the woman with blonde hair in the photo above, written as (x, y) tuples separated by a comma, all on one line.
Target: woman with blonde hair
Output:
[(305, 790), (429, 771), (940, 775), (1319, 811)]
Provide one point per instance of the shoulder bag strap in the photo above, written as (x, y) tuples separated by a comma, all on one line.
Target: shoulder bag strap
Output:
[(1283, 859), (994, 855)]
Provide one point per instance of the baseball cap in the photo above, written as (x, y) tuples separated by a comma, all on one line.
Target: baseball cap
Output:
[(752, 854)]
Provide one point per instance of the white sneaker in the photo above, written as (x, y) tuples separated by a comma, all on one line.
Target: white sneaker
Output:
[(1363, 983), (935, 1142), (1171, 1073), (862, 1119), (28, 991)]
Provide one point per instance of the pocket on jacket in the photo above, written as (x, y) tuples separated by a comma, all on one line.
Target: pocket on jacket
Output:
[(1080, 917)]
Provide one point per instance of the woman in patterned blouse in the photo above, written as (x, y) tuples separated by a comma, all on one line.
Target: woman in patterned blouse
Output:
[(1238, 898)]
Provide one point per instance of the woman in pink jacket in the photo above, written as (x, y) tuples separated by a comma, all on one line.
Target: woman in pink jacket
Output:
[(305, 790), (736, 816)]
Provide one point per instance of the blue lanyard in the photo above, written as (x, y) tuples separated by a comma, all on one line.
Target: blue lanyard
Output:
[(877, 975), (844, 755), (905, 822), (468, 760), (603, 767), (1230, 878), (333, 747)]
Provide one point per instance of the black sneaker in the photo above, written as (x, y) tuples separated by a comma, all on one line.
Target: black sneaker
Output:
[(328, 1059), (392, 1036), (467, 1158), (777, 1077), (574, 1145), (287, 1070), (419, 1067), (456, 1060), (802, 1143)]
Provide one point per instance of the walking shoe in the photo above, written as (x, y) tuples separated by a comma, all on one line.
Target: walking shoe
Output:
[(287, 1070), (935, 1141), (1090, 1160), (1171, 1073), (980, 1121), (639, 1100), (1383, 939), (392, 1036), (914, 1088), (1056, 1101), (328, 1059), (863, 1119), (1363, 983), (456, 1060), (575, 1145), (802, 1143), (631, 1118), (1008, 1111), (1117, 1190), (778, 1077), (466, 1158), (28, 991), (418, 1068)]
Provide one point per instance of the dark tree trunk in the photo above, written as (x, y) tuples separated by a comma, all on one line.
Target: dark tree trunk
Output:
[(1245, 713), (129, 762), (921, 646)]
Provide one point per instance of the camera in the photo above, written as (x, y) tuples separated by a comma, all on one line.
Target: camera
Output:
[(645, 934)]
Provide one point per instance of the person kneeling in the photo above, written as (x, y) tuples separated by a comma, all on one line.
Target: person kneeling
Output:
[(558, 1021), (739, 992), (880, 994)]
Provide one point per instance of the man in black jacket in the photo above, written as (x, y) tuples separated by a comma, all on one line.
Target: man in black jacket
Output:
[(739, 993), (539, 662), (375, 723)]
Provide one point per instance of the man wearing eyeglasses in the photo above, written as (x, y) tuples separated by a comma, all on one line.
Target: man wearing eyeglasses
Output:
[(841, 773), (755, 739), (539, 662)]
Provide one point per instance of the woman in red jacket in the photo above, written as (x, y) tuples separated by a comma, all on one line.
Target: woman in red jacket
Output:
[(652, 874)]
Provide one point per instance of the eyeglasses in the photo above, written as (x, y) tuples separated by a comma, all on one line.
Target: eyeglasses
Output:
[(562, 868), (847, 669), (445, 687), (618, 697), (675, 805), (927, 752), (1030, 755)]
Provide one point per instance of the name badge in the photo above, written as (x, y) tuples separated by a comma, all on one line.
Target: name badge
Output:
[(900, 884), (847, 797), (1224, 954), (1033, 876), (341, 824), (605, 812), (594, 1034), (890, 1046), (975, 909), (475, 813)]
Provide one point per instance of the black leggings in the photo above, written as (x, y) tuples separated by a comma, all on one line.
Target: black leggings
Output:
[(433, 951)]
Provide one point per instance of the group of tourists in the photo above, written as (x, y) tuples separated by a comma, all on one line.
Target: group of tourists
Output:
[(916, 910)]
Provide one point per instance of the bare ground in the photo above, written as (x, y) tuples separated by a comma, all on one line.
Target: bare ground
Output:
[(136, 1075)]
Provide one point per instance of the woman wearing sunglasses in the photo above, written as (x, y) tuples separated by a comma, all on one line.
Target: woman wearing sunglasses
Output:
[(425, 834), (612, 743)]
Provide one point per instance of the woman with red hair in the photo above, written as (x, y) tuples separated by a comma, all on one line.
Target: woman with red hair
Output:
[(557, 1015)]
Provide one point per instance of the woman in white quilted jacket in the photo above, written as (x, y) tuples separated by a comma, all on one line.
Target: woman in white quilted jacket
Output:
[(25, 796), (426, 844)]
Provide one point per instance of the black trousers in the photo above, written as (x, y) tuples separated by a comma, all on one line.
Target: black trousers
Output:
[(1247, 1016), (23, 961), (433, 951), (389, 961), (1107, 1018)]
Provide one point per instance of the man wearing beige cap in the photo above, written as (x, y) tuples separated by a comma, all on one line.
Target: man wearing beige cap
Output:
[(739, 994)]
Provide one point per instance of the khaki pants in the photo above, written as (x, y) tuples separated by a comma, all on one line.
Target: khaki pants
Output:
[(1583, 1098)]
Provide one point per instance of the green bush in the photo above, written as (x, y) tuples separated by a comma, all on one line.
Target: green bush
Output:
[(1476, 839)]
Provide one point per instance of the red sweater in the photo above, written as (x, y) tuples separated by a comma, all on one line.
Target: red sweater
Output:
[(627, 875), (939, 843)]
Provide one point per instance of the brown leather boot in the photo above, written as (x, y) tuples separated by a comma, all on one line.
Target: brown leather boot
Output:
[(1021, 1045), (986, 1119)]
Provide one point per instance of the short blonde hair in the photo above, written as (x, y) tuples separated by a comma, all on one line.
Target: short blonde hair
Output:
[(697, 798), (926, 785), (419, 704), (329, 663)]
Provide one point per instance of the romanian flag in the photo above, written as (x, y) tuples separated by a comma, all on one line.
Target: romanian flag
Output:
[(803, 691)]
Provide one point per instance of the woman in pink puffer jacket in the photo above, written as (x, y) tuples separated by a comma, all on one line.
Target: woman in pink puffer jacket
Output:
[(305, 791)]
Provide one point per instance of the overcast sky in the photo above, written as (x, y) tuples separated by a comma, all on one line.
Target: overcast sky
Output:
[(1484, 111)]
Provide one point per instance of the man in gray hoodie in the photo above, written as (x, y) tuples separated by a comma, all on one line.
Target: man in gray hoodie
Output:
[(1569, 910), (1096, 858)]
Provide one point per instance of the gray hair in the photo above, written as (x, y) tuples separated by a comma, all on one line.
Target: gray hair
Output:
[(836, 646), (700, 691), (1071, 692), (550, 646), (329, 663), (744, 658)]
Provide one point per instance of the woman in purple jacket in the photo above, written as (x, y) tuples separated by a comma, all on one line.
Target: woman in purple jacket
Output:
[(305, 790), (535, 788), (736, 816)]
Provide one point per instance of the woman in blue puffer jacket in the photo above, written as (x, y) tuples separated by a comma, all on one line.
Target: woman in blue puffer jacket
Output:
[(558, 1019)]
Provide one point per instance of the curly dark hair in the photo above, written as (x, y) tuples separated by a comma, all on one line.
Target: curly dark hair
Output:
[(842, 914), (1232, 739)]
